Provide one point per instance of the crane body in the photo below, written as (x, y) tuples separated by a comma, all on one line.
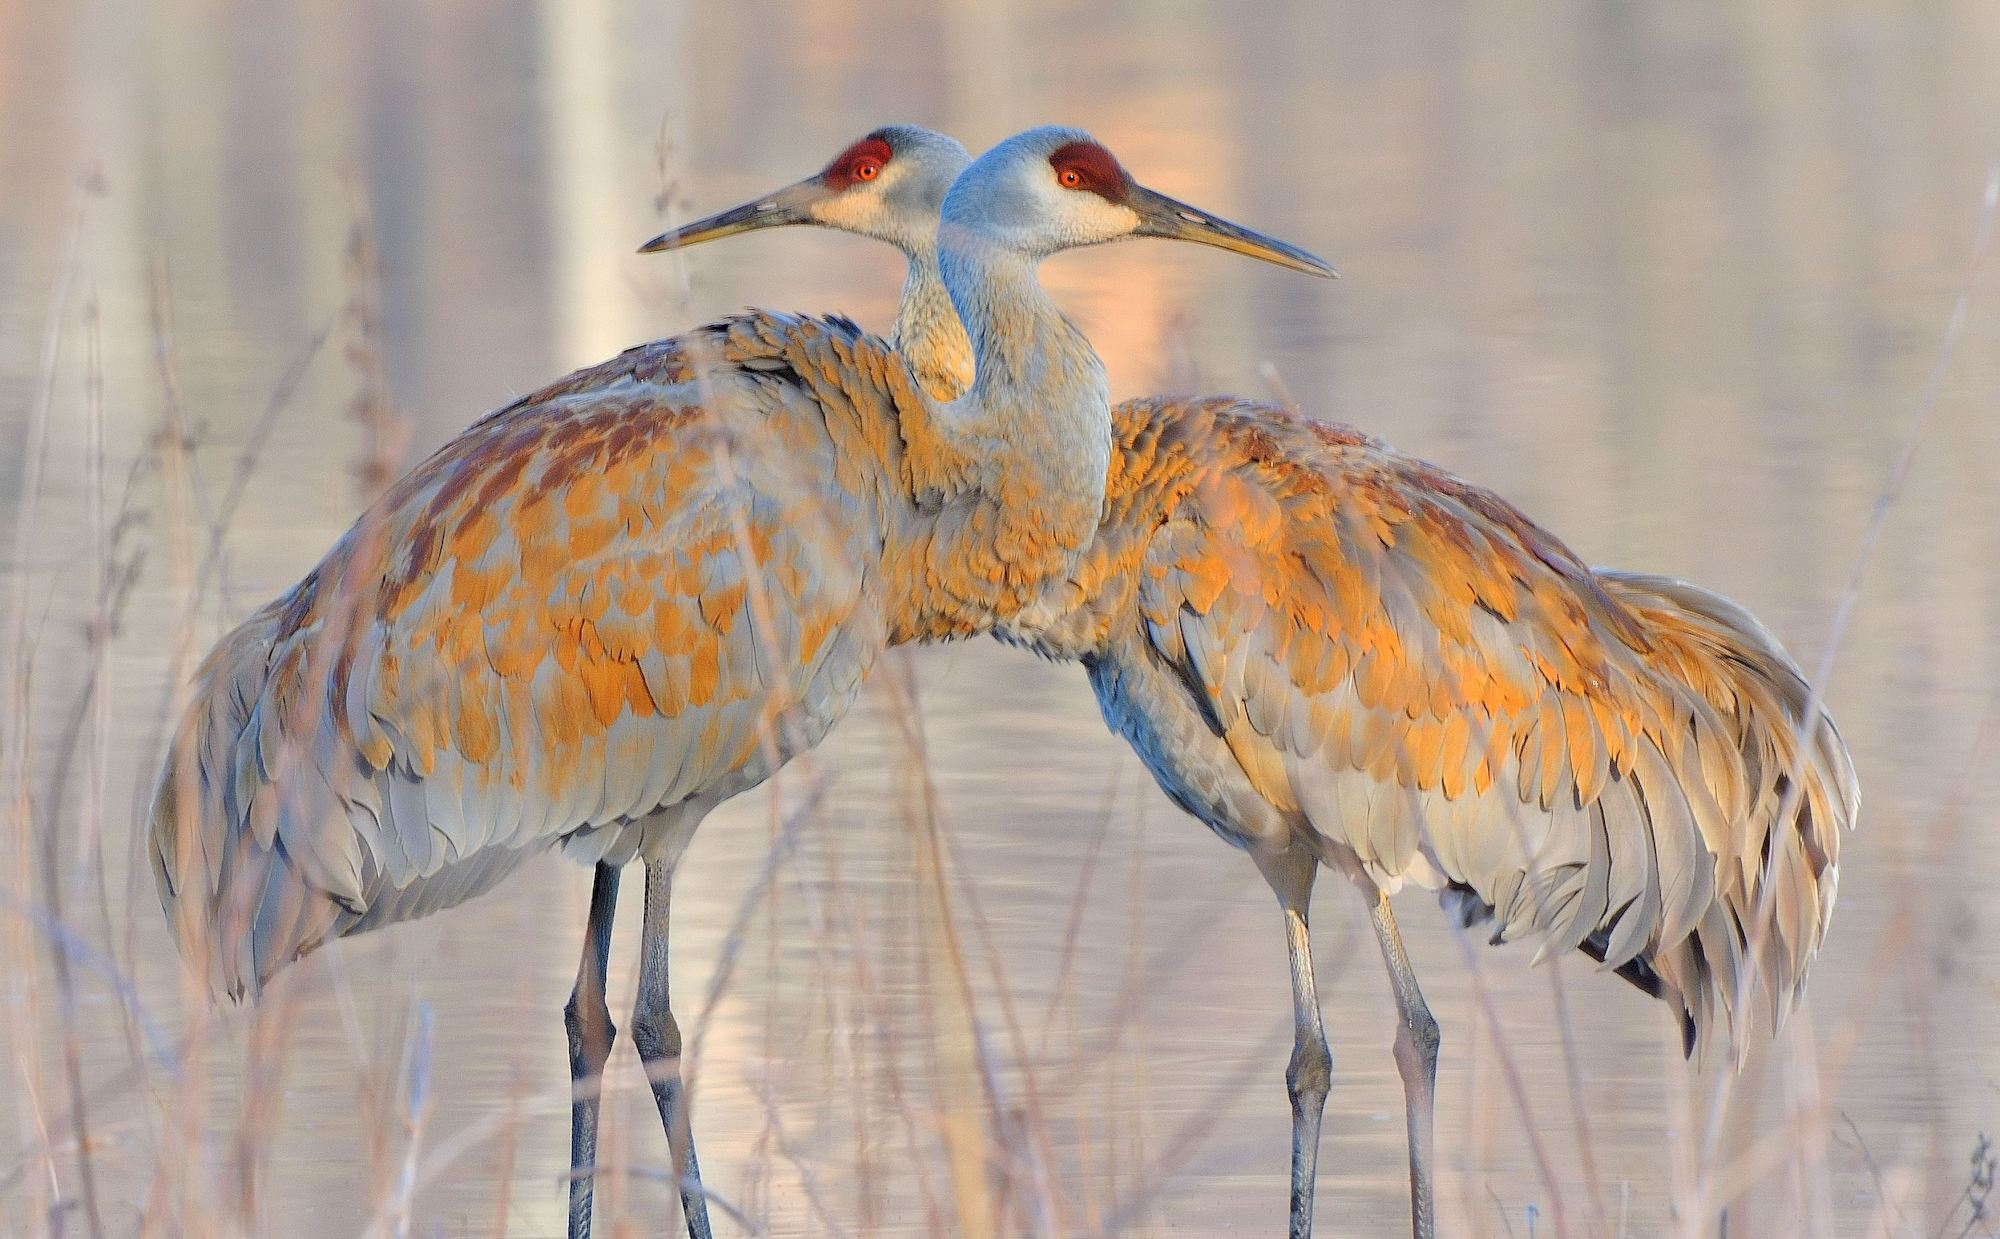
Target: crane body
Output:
[(1335, 654), (608, 607), (545, 631)]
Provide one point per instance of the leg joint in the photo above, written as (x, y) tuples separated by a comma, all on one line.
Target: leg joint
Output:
[(1418, 1038), (590, 1032), (1310, 1073), (656, 1033)]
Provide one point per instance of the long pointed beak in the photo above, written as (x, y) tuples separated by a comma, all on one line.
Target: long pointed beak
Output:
[(1161, 216), (790, 205)]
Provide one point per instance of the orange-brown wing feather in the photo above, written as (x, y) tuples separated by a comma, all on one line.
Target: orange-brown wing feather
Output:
[(629, 591), (1777, 878), (1425, 677)]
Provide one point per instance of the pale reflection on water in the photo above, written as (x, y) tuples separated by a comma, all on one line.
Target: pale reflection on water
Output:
[(1668, 277)]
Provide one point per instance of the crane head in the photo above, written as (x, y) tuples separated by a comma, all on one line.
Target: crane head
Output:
[(888, 185), (1052, 189)]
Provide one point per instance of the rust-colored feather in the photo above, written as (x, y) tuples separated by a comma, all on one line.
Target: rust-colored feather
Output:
[(1402, 666), (576, 616)]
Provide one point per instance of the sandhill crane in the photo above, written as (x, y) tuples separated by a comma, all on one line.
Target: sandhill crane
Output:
[(608, 607), (1333, 653)]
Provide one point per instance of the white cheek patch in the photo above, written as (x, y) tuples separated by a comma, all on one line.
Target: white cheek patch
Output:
[(1080, 217), (1101, 220), (852, 212)]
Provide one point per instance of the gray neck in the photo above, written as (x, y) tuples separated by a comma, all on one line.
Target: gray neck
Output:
[(1038, 392), (1032, 436), (1031, 364), (927, 330)]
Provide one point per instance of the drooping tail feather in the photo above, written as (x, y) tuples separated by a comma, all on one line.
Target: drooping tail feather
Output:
[(1786, 787), (240, 904), (1774, 894), (236, 909), (1465, 908)]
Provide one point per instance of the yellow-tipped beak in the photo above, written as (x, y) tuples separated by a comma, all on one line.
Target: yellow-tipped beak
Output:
[(790, 205), (1161, 216)]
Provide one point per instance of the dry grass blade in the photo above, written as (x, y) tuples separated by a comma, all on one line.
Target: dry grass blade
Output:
[(1079, 903), (1516, 1088), (23, 993), (1224, 1097), (1811, 716)]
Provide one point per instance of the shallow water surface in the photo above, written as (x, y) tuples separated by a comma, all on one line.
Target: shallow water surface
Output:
[(1669, 277)]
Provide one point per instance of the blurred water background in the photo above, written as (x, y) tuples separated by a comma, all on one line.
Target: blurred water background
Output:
[(1670, 277)]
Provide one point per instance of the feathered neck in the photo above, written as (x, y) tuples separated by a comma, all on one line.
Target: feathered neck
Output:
[(927, 331), (1018, 461)]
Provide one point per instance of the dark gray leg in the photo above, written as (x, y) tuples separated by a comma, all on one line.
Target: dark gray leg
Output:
[(658, 1037), (1417, 1059), (590, 1035), (1311, 1070)]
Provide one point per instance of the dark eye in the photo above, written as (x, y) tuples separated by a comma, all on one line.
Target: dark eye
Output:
[(1070, 178), (867, 170)]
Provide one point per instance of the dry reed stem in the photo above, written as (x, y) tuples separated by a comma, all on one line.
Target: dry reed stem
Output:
[(879, 1017), (385, 432), (1031, 1121), (22, 987), (1061, 991), (1775, 1145), (1222, 1098), (1593, 1183), (182, 484), (73, 952), (53, 897), (1705, 1198), (978, 1204), (187, 1110), (1510, 1073)]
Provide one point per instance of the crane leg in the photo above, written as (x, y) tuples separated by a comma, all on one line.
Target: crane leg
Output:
[(1310, 1072), (1416, 1058), (590, 1034), (658, 1037)]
